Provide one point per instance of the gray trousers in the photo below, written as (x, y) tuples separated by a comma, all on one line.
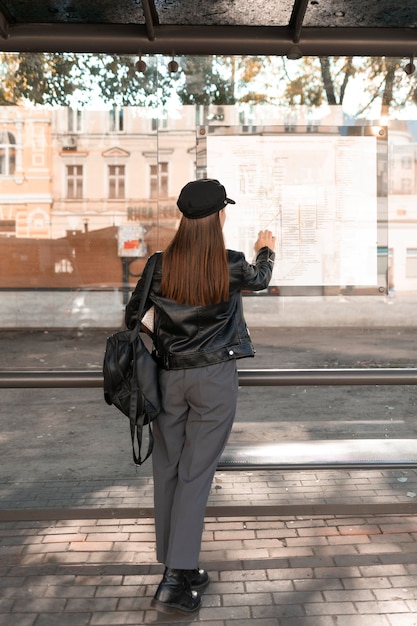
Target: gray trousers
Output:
[(199, 407)]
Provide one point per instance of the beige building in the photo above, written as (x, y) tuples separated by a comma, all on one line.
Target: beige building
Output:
[(402, 233), (112, 168), (25, 172), (66, 171)]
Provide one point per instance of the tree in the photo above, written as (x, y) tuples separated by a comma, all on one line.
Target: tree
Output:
[(223, 80), (318, 80), (118, 80), (61, 79), (328, 80), (345, 72), (203, 82), (39, 78), (391, 85), (77, 79)]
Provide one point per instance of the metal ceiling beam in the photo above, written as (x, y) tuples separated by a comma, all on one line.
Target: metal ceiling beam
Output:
[(4, 26), (189, 40), (297, 18), (151, 18)]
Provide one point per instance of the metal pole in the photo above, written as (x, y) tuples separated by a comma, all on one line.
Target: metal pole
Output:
[(255, 378)]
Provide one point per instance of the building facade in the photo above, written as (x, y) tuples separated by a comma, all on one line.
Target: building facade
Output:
[(83, 187), (25, 172)]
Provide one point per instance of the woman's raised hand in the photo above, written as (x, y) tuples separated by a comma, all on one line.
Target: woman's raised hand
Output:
[(265, 238)]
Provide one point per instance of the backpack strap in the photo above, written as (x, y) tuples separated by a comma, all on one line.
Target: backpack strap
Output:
[(135, 427), (150, 268)]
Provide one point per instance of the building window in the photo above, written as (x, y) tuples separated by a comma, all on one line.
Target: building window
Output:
[(406, 162), (116, 120), (74, 181), (7, 153), (38, 221), (406, 185), (159, 180), (411, 263), (159, 123), (116, 181), (74, 120), (7, 227)]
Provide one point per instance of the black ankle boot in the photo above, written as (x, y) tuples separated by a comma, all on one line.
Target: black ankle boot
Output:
[(174, 594), (198, 578)]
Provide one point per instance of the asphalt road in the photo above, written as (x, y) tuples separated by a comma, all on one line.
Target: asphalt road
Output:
[(71, 434)]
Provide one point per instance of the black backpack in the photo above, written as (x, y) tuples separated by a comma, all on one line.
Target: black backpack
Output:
[(131, 378)]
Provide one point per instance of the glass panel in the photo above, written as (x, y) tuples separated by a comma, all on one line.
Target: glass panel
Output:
[(319, 194), (71, 185), (89, 190)]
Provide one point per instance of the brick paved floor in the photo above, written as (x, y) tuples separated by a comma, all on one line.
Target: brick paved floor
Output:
[(292, 571), (261, 488)]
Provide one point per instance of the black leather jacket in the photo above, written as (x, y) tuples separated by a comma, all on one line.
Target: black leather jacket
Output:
[(194, 336)]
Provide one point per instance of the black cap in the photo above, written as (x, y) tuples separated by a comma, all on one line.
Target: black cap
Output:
[(203, 197)]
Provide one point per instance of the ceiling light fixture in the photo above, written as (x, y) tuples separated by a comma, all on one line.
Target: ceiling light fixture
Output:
[(294, 53), (410, 68), (141, 65), (173, 66)]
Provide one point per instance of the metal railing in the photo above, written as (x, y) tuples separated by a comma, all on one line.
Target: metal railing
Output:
[(247, 377)]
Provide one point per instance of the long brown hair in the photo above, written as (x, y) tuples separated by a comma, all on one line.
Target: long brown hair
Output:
[(194, 266)]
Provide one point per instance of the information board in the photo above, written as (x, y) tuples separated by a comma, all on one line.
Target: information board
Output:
[(317, 192)]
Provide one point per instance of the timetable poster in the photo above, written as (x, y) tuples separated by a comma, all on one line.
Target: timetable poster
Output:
[(316, 193)]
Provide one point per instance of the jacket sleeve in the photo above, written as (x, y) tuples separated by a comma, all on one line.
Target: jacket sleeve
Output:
[(256, 276), (133, 304)]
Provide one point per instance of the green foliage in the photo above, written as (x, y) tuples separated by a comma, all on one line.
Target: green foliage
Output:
[(206, 80), (77, 79), (119, 82), (381, 80), (315, 81), (390, 83), (39, 78)]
